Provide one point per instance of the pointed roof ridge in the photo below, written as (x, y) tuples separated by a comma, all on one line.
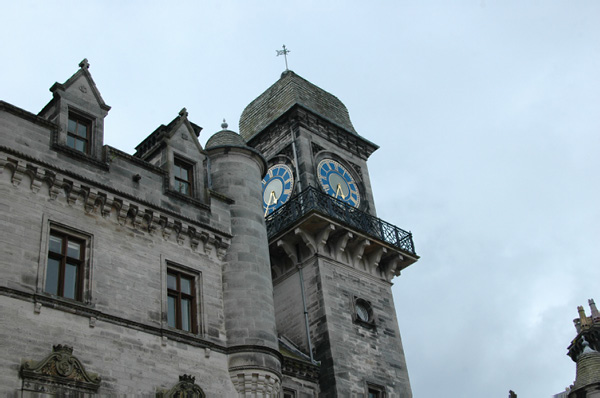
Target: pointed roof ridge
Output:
[(162, 131), (84, 67), (292, 89)]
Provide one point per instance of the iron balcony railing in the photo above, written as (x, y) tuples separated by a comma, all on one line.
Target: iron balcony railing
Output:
[(312, 199)]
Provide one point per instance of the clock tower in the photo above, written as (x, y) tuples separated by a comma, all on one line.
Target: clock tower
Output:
[(332, 259)]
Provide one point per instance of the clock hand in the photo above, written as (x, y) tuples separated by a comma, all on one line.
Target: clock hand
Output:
[(272, 200), (339, 192)]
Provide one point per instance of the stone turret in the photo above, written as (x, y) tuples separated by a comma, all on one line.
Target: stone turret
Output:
[(584, 350), (254, 360)]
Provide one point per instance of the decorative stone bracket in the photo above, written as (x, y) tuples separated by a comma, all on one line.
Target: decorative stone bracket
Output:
[(123, 211), (338, 243)]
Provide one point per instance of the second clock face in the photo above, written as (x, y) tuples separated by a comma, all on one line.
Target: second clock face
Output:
[(338, 182), (277, 187)]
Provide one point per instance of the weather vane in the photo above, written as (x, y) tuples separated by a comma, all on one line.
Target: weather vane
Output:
[(283, 52)]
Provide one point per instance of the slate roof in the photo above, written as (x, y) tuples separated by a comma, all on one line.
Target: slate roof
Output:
[(288, 91), (225, 138)]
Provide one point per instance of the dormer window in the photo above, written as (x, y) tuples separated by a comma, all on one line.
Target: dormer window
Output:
[(183, 173), (79, 133)]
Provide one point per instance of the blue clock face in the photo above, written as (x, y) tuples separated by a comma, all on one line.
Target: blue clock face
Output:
[(277, 187), (338, 182)]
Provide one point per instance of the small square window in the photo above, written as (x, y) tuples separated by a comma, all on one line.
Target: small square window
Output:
[(289, 393), (79, 133), (374, 391), (65, 267), (181, 301)]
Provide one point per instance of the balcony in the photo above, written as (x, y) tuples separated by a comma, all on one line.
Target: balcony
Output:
[(312, 200)]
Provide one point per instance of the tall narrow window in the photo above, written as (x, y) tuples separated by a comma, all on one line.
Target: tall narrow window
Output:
[(79, 133), (181, 301), (183, 177), (64, 271)]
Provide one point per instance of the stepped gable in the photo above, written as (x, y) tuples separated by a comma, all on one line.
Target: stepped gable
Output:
[(288, 91)]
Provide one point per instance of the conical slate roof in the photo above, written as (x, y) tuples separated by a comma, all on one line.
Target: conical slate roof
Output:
[(288, 91)]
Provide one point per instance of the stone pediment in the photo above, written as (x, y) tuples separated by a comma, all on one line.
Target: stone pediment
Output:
[(57, 372), (186, 387)]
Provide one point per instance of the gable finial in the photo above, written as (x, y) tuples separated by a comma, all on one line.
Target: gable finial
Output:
[(224, 125), (183, 112), (84, 64), (283, 52)]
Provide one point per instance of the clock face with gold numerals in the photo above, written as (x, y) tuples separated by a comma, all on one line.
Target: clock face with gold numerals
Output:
[(338, 182), (277, 185)]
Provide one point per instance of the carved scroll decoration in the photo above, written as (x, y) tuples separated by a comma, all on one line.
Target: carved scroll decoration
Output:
[(58, 371)]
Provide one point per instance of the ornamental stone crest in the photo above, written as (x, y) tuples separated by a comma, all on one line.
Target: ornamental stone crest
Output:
[(58, 372), (186, 388)]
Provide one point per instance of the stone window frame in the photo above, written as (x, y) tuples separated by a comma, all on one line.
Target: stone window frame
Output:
[(179, 163), (85, 278), (373, 390), (288, 393), (171, 267), (361, 302), (80, 120)]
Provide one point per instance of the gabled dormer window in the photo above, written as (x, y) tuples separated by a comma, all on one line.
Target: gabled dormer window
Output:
[(79, 133), (183, 173)]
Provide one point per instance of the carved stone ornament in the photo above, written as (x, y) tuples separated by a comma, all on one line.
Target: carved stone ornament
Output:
[(58, 372), (186, 388)]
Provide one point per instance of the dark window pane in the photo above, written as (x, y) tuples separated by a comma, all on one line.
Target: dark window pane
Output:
[(72, 126), (171, 282), (184, 188), (177, 171), (171, 311), (186, 314), (70, 288), (70, 141), (186, 286), (82, 130), (80, 145), (183, 174), (52, 276), (55, 244), (74, 249)]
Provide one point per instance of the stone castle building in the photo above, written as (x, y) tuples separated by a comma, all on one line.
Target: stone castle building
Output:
[(175, 272), (584, 350)]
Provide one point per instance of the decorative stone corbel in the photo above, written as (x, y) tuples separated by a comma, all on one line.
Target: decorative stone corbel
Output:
[(289, 249), (18, 173), (390, 267), (372, 260), (194, 237), (53, 185), (167, 227), (90, 200), (358, 250), (36, 178), (340, 245), (316, 242), (106, 205), (177, 228)]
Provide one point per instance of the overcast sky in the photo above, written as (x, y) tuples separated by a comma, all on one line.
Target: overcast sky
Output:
[(487, 114)]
